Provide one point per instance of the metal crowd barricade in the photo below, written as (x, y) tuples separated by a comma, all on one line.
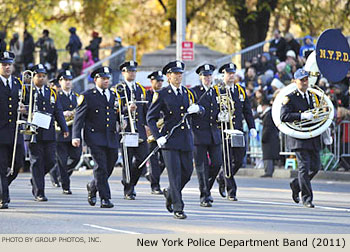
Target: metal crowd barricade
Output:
[(343, 144)]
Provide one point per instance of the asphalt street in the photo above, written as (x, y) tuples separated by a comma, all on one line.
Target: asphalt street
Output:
[(263, 206)]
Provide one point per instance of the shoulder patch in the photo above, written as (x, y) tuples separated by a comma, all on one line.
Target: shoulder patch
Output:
[(155, 97), (285, 100), (80, 99)]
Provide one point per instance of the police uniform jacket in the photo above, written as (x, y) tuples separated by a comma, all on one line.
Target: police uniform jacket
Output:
[(98, 118), (242, 107), (70, 105), (141, 111), (270, 137), (49, 103), (293, 105), (8, 111), (205, 128), (174, 109)]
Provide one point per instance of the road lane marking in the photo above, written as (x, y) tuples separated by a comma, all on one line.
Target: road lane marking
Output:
[(111, 229)]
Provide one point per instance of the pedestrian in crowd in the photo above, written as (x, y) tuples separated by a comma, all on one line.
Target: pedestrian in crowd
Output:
[(157, 165), (10, 90), (3, 44), (292, 44), (270, 137), (16, 46), (94, 46), (28, 49), (43, 149), (115, 62), (177, 150), (48, 53), (264, 64), (306, 49), (98, 113), (74, 43), (242, 110), (295, 108), (280, 44), (136, 93), (65, 150)]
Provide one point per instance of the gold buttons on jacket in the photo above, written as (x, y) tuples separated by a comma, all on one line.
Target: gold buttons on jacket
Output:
[(10, 99), (182, 127), (107, 119), (96, 110), (107, 113), (10, 120), (10, 113), (44, 108), (93, 130), (10, 106), (182, 114), (182, 107), (107, 107), (107, 125)]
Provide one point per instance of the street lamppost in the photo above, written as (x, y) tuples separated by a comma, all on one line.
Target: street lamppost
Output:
[(180, 26)]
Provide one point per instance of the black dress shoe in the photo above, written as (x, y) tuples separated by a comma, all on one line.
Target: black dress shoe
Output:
[(129, 197), (133, 192), (222, 190), (67, 191), (105, 203), (309, 205), (40, 198), (168, 203), (205, 204), (295, 193), (4, 205), (156, 191), (91, 195), (232, 198), (180, 215), (210, 199)]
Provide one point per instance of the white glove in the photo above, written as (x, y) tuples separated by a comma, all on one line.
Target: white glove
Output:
[(161, 141), (194, 108), (223, 117), (307, 116), (253, 132)]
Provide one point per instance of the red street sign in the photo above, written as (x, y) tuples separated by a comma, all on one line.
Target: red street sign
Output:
[(187, 51)]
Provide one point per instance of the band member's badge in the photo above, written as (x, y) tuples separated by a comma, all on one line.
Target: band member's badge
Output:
[(285, 100), (80, 99), (155, 97)]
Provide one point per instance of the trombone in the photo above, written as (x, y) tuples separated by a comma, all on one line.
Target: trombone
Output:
[(227, 109), (30, 128)]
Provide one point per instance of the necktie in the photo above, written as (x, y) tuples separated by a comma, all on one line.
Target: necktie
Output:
[(70, 96), (8, 86), (40, 92), (178, 92), (210, 92), (307, 101), (104, 94)]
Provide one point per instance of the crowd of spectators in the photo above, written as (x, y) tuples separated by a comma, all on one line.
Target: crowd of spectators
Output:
[(264, 75), (24, 50)]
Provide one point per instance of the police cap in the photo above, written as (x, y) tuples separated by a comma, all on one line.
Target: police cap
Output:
[(157, 75), (206, 69), (39, 68), (300, 74), (128, 66), (174, 67), (102, 72), (65, 74), (229, 67), (7, 57)]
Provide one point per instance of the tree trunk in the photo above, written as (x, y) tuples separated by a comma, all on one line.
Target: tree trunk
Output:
[(172, 30)]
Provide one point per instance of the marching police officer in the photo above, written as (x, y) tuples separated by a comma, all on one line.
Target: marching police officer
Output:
[(307, 151), (10, 92), (174, 101), (136, 95), (242, 108), (43, 148), (207, 136), (157, 163), (97, 113), (65, 150)]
